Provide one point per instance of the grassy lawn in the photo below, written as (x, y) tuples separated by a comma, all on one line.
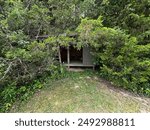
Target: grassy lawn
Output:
[(82, 92)]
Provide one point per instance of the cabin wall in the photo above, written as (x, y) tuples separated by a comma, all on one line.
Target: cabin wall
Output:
[(87, 57), (73, 57)]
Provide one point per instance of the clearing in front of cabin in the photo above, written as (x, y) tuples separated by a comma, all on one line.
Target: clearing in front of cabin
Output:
[(82, 92)]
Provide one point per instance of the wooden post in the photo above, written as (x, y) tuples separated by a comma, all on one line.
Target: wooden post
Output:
[(93, 67), (59, 54), (68, 56), (48, 52)]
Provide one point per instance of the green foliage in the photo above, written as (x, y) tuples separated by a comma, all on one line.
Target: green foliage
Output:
[(7, 97), (121, 59), (118, 32), (16, 17), (59, 41), (12, 93)]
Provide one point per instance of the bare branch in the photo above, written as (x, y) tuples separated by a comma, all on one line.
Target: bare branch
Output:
[(24, 66), (28, 5), (7, 71), (38, 32)]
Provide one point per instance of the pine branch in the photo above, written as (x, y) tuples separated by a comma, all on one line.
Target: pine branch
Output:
[(7, 71)]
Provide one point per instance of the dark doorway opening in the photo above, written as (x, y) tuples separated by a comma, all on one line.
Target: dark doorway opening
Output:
[(76, 56), (63, 52)]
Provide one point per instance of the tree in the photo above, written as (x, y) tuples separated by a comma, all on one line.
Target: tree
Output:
[(118, 54)]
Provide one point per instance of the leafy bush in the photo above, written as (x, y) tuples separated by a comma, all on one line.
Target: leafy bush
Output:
[(24, 59), (121, 59), (13, 92)]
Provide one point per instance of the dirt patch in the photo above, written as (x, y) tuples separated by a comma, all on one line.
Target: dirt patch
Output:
[(76, 69)]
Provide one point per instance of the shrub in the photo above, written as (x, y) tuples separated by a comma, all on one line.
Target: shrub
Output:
[(12, 92), (121, 59)]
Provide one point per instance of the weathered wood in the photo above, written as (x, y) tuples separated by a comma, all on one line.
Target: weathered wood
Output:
[(87, 57), (68, 56), (59, 55)]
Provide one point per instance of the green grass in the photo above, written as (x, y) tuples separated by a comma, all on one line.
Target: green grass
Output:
[(82, 92)]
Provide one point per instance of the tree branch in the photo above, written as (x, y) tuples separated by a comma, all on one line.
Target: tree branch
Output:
[(38, 32), (24, 66), (7, 71), (28, 5)]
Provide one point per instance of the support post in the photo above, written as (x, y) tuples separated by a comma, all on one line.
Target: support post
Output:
[(68, 56), (59, 54), (93, 67)]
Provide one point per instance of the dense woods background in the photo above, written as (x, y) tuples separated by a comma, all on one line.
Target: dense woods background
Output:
[(117, 30)]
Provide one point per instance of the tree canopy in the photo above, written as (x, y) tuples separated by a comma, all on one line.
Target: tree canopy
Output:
[(117, 30)]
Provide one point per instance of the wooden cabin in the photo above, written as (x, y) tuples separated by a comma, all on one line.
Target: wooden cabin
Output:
[(72, 57)]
